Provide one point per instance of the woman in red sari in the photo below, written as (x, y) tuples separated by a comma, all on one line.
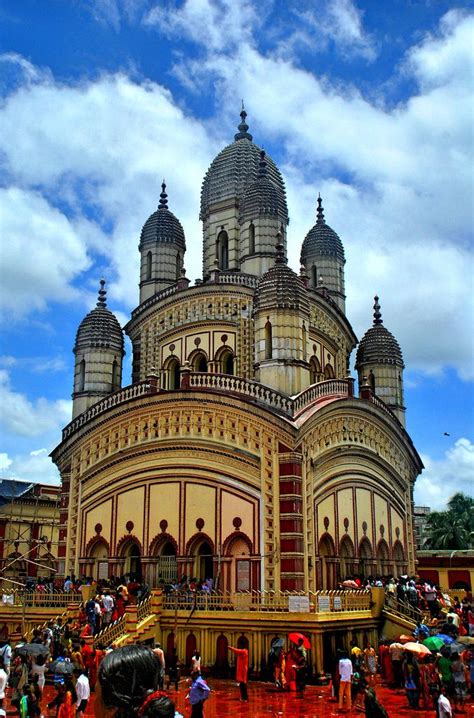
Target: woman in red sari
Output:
[(67, 709)]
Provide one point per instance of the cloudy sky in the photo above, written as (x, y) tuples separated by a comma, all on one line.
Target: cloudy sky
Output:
[(367, 102)]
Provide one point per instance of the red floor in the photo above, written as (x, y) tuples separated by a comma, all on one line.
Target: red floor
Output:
[(265, 702)]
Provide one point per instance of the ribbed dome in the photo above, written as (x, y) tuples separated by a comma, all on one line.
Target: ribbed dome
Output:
[(280, 287), (263, 197), (100, 328), (378, 345), (162, 225), (234, 169), (321, 240)]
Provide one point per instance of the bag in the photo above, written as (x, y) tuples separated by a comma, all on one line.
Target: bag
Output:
[(410, 684)]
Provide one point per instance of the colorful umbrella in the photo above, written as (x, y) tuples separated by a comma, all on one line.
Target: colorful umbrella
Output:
[(417, 648), (295, 637), (434, 643), (446, 639), (405, 639)]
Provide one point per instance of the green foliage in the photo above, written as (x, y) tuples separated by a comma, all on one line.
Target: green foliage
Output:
[(452, 529)]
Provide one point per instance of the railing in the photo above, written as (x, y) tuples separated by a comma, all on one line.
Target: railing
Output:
[(110, 633), (403, 609), (244, 280), (39, 599), (383, 406), (266, 601), (144, 609), (246, 387), (134, 391), (228, 383)]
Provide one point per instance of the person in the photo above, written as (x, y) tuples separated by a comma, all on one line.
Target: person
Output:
[(300, 666), (3, 680), (345, 671), (67, 708), (173, 668), (3, 713), (39, 669), (411, 673), (196, 661), (6, 656), (108, 605), (370, 664), (373, 709), (199, 692), (127, 685), (25, 703), (83, 691), (241, 670), (160, 653), (444, 706), (459, 682)]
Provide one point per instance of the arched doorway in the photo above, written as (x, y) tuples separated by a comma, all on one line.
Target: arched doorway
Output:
[(238, 570), (173, 373), (130, 551), (204, 563), (315, 373), (165, 571), (327, 557), (100, 555), (399, 559), (346, 558), (366, 565), (383, 558)]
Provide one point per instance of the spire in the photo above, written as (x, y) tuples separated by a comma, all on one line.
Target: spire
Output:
[(377, 314), (262, 165), (163, 197), (101, 301), (320, 211), (242, 134)]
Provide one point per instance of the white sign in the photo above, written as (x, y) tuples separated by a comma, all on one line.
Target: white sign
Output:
[(298, 604), (337, 602), (324, 603)]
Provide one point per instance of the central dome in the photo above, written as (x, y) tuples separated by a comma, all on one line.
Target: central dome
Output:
[(234, 169)]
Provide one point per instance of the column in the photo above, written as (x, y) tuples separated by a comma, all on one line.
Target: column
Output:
[(291, 521)]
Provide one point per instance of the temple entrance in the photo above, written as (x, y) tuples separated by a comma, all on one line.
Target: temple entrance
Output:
[(204, 563), (327, 563)]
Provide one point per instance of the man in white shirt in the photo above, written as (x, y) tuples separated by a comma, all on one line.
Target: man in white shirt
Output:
[(444, 706), (6, 656), (83, 692), (108, 604), (3, 680), (345, 674)]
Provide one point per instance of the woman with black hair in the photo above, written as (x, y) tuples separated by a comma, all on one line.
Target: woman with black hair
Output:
[(127, 686)]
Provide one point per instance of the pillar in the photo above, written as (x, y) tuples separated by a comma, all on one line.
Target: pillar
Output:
[(291, 520)]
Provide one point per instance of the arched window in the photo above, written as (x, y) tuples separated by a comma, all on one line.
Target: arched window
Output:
[(222, 250), (251, 239), (365, 555), (328, 372), (372, 381), (383, 558), (148, 265), (268, 341), (225, 361), (81, 376), (204, 566), (315, 373), (115, 375), (173, 374), (346, 557), (327, 562)]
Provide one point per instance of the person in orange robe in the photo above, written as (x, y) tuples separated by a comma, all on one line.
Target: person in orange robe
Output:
[(241, 670), (67, 709)]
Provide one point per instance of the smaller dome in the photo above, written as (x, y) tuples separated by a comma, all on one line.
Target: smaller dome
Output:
[(378, 345), (263, 197), (321, 240), (100, 328), (162, 225), (280, 287)]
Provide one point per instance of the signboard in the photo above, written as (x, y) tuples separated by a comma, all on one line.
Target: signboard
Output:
[(337, 603), (298, 604), (243, 575), (324, 603), (103, 570)]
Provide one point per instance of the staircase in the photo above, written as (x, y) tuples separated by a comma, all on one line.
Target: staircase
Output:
[(399, 617)]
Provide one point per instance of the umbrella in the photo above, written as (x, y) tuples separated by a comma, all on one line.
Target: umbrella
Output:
[(434, 643), (61, 667), (456, 647), (417, 648), (33, 649), (467, 640), (446, 639), (295, 637), (349, 584), (396, 644), (405, 639)]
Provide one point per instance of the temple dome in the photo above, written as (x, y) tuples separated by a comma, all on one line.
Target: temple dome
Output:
[(234, 169), (100, 328), (162, 226), (263, 197), (378, 345), (321, 240), (280, 287)]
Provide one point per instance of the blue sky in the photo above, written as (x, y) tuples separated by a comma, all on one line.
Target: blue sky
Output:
[(367, 102)]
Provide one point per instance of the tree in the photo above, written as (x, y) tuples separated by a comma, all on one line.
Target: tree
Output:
[(452, 529)]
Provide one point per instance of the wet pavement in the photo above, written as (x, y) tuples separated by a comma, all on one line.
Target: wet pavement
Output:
[(267, 702)]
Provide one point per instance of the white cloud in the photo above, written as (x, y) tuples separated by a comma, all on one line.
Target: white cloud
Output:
[(36, 466), (22, 417), (442, 479), (5, 461)]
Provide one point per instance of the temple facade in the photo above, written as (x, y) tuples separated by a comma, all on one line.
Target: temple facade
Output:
[(242, 450)]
